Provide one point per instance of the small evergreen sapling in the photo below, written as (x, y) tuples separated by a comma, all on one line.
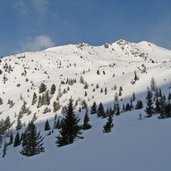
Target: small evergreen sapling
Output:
[(109, 124), (86, 124), (100, 111), (53, 89), (19, 124), (47, 126), (94, 108), (149, 108), (17, 140)]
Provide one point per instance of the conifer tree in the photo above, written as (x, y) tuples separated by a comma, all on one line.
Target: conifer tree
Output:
[(139, 104), (81, 80), (56, 106), (47, 126), (85, 85), (17, 140), (135, 76), (98, 72), (59, 92), (7, 123), (97, 86), (11, 139), (128, 107), (42, 88), (85, 94), (163, 107), (149, 108), (101, 90), (32, 141), (157, 106), (53, 89), (133, 97), (70, 128), (109, 124), (117, 109), (58, 124), (123, 108), (86, 124), (39, 102), (23, 109), (131, 103), (19, 124), (94, 108), (153, 84), (169, 97), (34, 99), (120, 91), (46, 98), (1, 101), (160, 93), (116, 97), (100, 111), (105, 90), (34, 118)]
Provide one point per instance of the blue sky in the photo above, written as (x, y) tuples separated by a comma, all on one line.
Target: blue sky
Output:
[(28, 25)]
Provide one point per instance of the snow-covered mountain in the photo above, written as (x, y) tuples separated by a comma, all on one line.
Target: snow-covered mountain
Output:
[(132, 144)]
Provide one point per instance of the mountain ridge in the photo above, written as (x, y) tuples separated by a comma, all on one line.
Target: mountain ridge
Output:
[(88, 74)]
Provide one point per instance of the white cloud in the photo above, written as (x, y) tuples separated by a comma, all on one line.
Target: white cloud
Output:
[(41, 5), (37, 43), (21, 6)]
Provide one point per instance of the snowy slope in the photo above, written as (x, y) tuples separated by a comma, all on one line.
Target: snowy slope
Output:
[(132, 145)]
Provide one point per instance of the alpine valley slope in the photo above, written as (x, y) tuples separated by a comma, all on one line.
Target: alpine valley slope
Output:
[(133, 144)]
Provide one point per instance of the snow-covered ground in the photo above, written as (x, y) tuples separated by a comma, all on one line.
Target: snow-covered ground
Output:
[(133, 144)]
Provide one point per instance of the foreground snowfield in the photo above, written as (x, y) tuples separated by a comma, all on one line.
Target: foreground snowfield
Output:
[(133, 144)]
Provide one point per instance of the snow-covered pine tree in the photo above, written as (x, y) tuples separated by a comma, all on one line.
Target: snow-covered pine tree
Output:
[(153, 84), (17, 140), (47, 126), (42, 88), (86, 124), (32, 141), (109, 124), (94, 108), (70, 128), (46, 98), (149, 108), (100, 111), (53, 89), (34, 99), (19, 124)]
